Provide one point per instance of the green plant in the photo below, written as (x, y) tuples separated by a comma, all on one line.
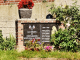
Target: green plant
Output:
[(14, 55), (68, 14), (8, 43), (33, 45), (56, 54), (9, 55), (44, 1), (1, 39), (52, 38), (65, 40)]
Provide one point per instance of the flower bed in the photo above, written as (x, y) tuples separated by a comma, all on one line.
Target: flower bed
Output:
[(33, 45)]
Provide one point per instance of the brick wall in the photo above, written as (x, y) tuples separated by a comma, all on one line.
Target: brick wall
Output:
[(7, 2)]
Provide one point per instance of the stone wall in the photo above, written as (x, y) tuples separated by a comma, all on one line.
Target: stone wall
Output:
[(7, 2), (9, 14), (64, 2), (40, 10)]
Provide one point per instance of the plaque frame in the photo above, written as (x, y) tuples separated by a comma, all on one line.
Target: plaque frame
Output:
[(41, 25)]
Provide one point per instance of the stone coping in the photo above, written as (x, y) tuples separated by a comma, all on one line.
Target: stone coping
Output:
[(37, 21), (25, 9), (34, 19)]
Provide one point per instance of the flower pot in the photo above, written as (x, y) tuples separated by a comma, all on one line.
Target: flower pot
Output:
[(25, 13)]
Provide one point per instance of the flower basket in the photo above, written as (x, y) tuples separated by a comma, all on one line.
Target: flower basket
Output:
[(25, 8), (25, 13)]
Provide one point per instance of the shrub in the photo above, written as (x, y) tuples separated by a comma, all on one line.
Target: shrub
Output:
[(8, 43), (65, 40), (68, 14)]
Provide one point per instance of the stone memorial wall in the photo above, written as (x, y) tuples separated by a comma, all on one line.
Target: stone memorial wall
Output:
[(34, 29)]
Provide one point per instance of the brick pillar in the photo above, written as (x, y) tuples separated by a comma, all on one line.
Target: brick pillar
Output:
[(20, 47), (1, 1)]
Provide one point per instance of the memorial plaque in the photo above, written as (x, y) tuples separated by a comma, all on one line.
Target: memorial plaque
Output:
[(40, 31)]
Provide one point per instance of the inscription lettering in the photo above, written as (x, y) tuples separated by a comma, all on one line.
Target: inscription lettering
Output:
[(32, 36), (45, 27), (31, 31), (45, 41)]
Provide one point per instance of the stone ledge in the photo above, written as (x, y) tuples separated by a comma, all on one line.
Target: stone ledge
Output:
[(34, 19), (37, 21)]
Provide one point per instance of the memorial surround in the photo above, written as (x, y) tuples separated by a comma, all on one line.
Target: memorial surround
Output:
[(21, 31)]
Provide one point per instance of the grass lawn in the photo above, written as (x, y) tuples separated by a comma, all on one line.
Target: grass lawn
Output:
[(14, 55), (9, 55)]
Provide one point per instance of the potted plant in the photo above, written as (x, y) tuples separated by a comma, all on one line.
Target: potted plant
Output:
[(25, 8)]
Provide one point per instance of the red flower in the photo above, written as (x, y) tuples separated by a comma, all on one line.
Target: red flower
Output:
[(32, 41), (27, 3), (37, 49), (26, 48), (38, 39)]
